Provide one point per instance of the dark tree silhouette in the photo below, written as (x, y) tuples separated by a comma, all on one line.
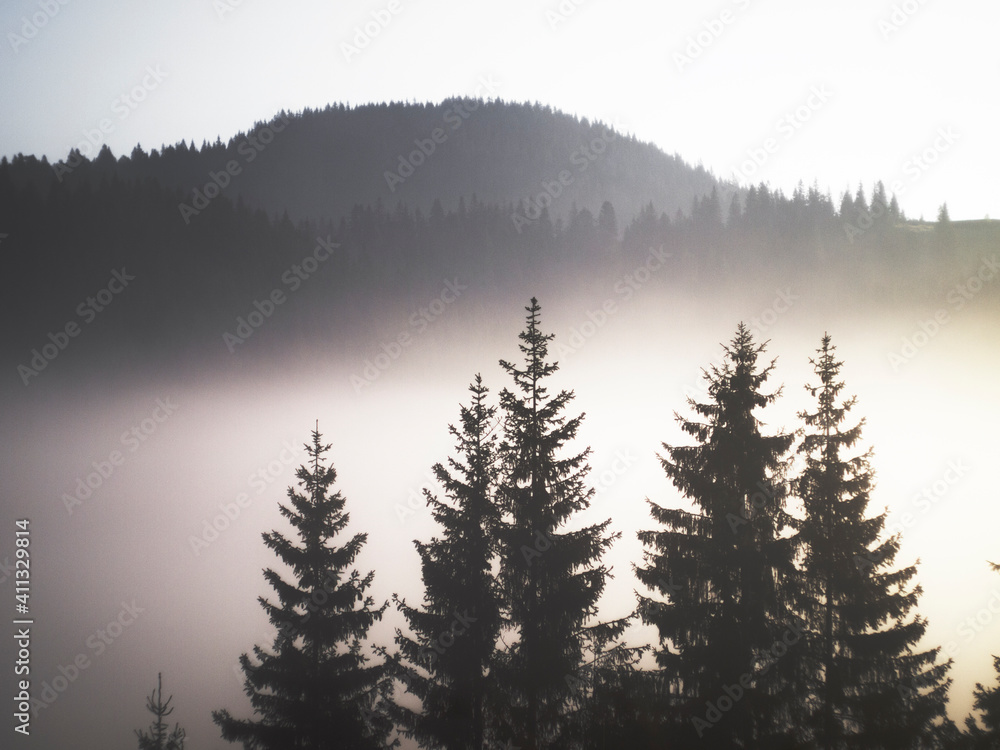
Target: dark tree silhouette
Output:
[(868, 686), (446, 665), (160, 736), (315, 689), (987, 702), (724, 571), (551, 579)]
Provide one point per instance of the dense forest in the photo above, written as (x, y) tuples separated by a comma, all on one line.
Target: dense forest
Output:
[(71, 224), (781, 611), (776, 627)]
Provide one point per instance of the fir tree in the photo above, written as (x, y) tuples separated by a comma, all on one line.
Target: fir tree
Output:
[(551, 579), (987, 702), (447, 664), (315, 689), (725, 569), (868, 686), (159, 737)]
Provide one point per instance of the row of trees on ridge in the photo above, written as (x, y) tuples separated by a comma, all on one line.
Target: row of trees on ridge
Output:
[(775, 630)]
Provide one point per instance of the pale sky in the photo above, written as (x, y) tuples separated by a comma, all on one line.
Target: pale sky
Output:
[(839, 93)]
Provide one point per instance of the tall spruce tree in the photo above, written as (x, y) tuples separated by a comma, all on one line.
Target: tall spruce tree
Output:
[(551, 578), (315, 688), (869, 687), (724, 570), (160, 736), (987, 702), (447, 664)]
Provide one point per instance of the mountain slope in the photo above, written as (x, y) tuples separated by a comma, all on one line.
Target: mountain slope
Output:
[(319, 164)]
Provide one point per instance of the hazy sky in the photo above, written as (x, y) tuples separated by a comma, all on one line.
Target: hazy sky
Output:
[(840, 93), (901, 90)]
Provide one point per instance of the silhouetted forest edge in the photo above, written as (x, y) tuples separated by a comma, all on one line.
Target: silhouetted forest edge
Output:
[(70, 226), (775, 628)]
